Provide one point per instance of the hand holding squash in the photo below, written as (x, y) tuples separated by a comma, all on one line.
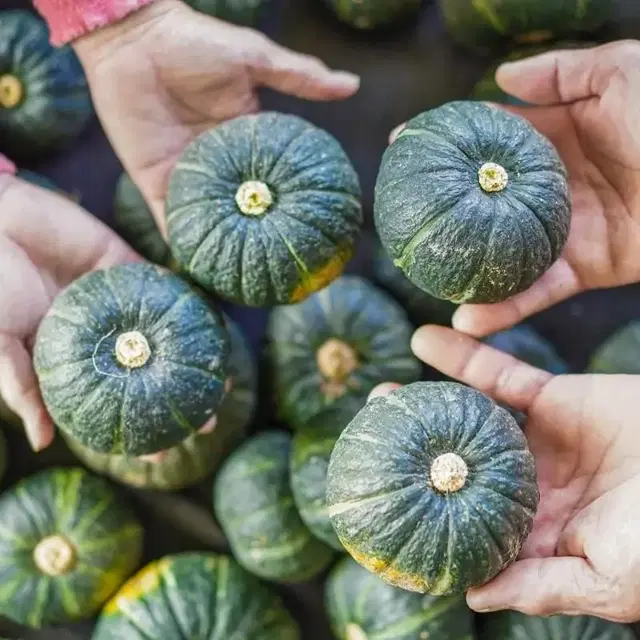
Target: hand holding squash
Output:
[(46, 241), (583, 555), (167, 73)]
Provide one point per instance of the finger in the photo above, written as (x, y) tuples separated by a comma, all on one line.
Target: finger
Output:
[(493, 372), (209, 426), (383, 389), (20, 390), (154, 458), (563, 77), (543, 587), (296, 74), (396, 132), (559, 283)]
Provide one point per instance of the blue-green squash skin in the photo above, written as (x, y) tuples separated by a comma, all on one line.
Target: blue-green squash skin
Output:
[(200, 454), (55, 105), (494, 23), (115, 408), (391, 516), (359, 602), (421, 307), (452, 238), (199, 596), (310, 454), (105, 536), (375, 330), (369, 14), (513, 625), (135, 223), (254, 505), (298, 244), (242, 12), (620, 353)]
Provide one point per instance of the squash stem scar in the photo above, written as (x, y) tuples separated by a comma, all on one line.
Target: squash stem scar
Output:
[(493, 177), (254, 198), (132, 349), (54, 555), (95, 364), (449, 473), (11, 91)]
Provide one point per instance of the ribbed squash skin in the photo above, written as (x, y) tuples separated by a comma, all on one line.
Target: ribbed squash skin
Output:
[(135, 223), (421, 307), (85, 510), (390, 517), (242, 12), (524, 343), (620, 353), (355, 312), (512, 625), (133, 411), (356, 600), (254, 505), (199, 596), (309, 463), (449, 236), (299, 244), (487, 23), (200, 454), (368, 14), (56, 103)]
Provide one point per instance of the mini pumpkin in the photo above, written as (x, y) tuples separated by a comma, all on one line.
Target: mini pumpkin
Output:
[(513, 625), (67, 543), (472, 203), (330, 351), (200, 596), (44, 96), (368, 14), (254, 504), (131, 360), (620, 353), (136, 224), (199, 454), (432, 488), (361, 606), (264, 209), (493, 23)]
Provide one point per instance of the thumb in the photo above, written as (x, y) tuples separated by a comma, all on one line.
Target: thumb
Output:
[(297, 74), (544, 587), (563, 77)]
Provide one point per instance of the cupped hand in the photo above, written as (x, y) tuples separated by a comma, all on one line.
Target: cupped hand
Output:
[(586, 104), (583, 555), (166, 73), (46, 242)]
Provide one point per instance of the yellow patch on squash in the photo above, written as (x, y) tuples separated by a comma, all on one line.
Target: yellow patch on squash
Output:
[(312, 282)]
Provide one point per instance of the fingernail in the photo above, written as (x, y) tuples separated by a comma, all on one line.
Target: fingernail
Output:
[(477, 601), (33, 436), (383, 389), (517, 67), (420, 341), (348, 78), (462, 320)]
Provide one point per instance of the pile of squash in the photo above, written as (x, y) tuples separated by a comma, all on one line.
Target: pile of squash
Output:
[(399, 504)]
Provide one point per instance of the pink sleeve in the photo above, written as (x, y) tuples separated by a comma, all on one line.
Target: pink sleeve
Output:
[(6, 166), (70, 19)]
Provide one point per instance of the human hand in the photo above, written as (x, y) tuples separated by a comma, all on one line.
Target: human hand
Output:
[(586, 105), (46, 242), (166, 73), (583, 554)]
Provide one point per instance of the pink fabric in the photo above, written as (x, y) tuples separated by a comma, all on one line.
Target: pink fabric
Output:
[(70, 19), (6, 166)]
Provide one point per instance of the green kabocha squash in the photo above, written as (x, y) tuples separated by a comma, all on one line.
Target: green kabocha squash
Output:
[(199, 596), (67, 544), (199, 454), (44, 96), (131, 360), (512, 625), (489, 23), (264, 209), (420, 306), (524, 343), (329, 352), (432, 488), (620, 353), (242, 12), (254, 505), (310, 456), (361, 606), (472, 203), (368, 14), (135, 223)]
